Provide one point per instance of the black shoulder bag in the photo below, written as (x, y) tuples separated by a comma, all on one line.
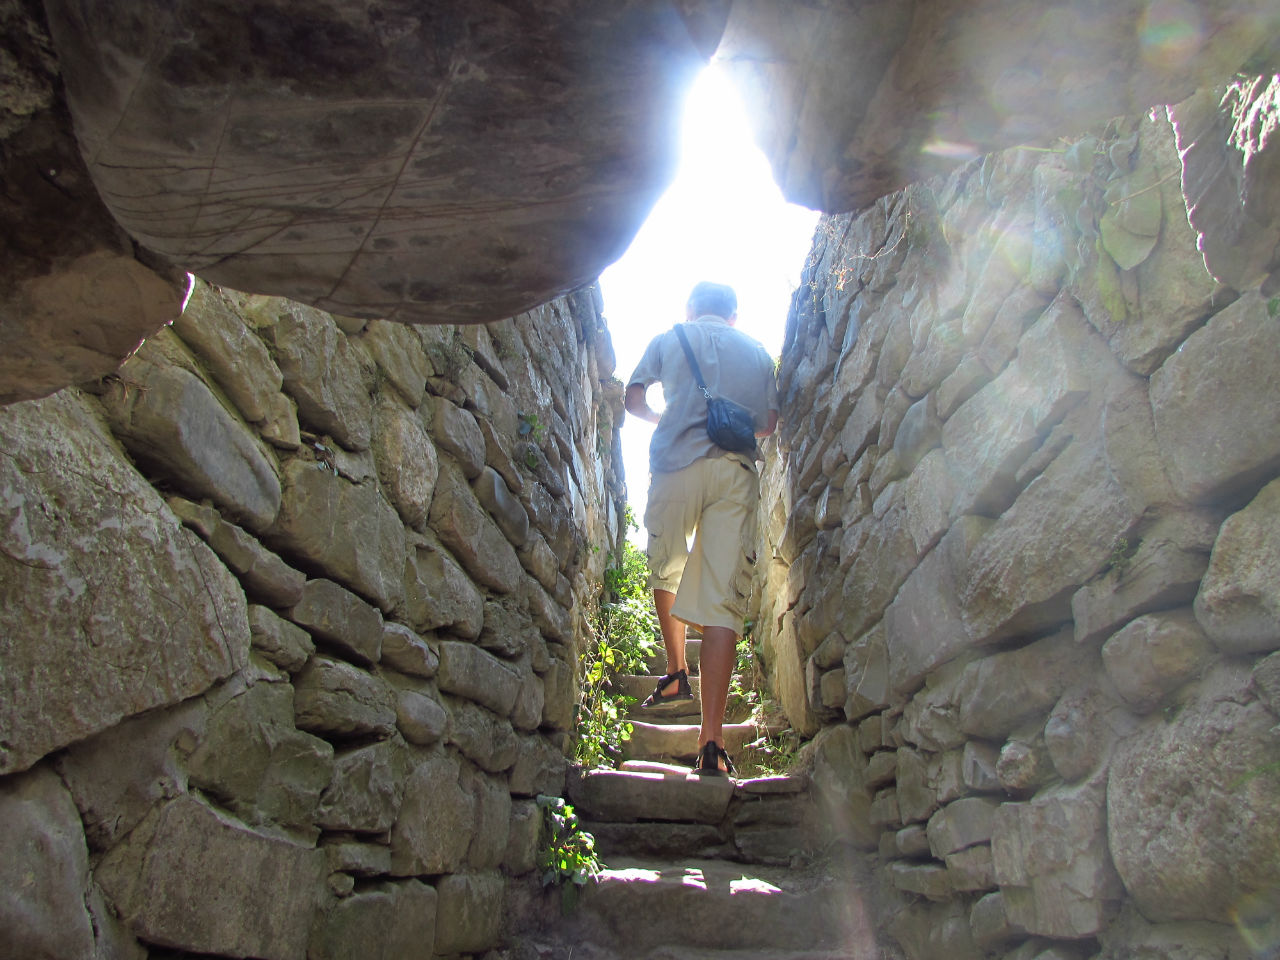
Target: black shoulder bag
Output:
[(729, 425)]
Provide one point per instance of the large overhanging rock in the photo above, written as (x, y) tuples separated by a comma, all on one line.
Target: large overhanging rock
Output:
[(431, 161), (853, 99)]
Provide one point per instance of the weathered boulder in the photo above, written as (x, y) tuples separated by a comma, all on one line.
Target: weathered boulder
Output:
[(366, 789), (173, 425), (391, 921), (336, 698), (318, 522), (840, 789), (100, 588), (398, 351), (474, 538), (281, 642), (191, 878), (469, 912), (257, 764), (420, 718), (1214, 402), (44, 866), (438, 593), (1191, 805), (468, 671), (1153, 656), (484, 738), (407, 463), (436, 820), (1239, 600), (405, 651), (340, 619), (1051, 862)]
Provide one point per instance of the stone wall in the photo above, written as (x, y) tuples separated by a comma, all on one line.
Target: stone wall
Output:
[(1025, 591), (289, 621)]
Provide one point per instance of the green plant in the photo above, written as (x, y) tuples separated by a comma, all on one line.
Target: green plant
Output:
[(531, 426), (625, 635), (567, 853), (1273, 307)]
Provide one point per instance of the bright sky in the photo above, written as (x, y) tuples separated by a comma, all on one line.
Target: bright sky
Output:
[(722, 219)]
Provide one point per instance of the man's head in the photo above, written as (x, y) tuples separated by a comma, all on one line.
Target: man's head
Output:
[(713, 298)]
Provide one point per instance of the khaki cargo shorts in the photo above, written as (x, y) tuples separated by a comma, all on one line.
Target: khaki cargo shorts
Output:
[(714, 500)]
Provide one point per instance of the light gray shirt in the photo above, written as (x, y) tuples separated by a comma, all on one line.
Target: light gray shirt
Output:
[(733, 365)]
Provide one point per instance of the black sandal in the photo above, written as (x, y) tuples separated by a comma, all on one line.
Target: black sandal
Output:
[(709, 761), (683, 690)]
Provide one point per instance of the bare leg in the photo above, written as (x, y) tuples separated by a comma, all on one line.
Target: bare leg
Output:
[(672, 636), (719, 654)]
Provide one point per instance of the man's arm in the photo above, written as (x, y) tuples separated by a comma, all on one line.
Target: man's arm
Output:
[(637, 403), (773, 425)]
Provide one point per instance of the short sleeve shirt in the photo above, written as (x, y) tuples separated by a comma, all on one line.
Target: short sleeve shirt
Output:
[(734, 366)]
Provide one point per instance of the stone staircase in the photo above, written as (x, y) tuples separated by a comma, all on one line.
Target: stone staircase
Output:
[(705, 868)]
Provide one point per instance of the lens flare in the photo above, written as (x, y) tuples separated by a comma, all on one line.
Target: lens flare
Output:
[(1170, 32), (950, 150)]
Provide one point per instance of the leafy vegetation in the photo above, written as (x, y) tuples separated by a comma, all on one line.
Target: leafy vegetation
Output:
[(567, 853), (625, 635)]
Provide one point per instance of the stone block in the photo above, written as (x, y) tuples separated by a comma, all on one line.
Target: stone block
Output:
[(505, 508), (623, 796), (523, 838), (508, 632), (492, 802), (468, 912), (281, 642), (540, 560), (420, 718), (931, 720), (436, 820), (919, 432), (1051, 862), (540, 767), (866, 673), (526, 713), (884, 809), (1153, 656), (932, 931), (398, 353), (44, 867), (233, 353), (484, 738), (1057, 535), (439, 594), (336, 698), (390, 921), (917, 784), (886, 559), (560, 693), (1024, 764), (358, 859), (319, 508), (1239, 600), (971, 869), (978, 767), (456, 432), (831, 689), (265, 577), (1164, 572), (927, 880), (997, 693), (406, 652), (1084, 726), (989, 436), (912, 841), (929, 496), (1214, 402), (960, 825), (990, 923), (192, 878), (108, 606), (365, 791), (548, 615), (882, 768), (466, 529), (468, 671), (924, 625), (172, 424), (341, 619), (840, 788), (1191, 804), (407, 463), (328, 374), (258, 764)]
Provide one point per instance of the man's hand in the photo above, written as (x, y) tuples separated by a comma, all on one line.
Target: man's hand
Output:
[(637, 403)]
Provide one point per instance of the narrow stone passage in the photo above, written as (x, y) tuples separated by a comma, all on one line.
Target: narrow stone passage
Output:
[(713, 867)]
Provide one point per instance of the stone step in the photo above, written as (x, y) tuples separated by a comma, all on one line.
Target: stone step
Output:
[(692, 655), (638, 907), (677, 741), (625, 796), (640, 687)]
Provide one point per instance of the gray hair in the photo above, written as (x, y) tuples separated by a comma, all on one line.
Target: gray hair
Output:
[(713, 298)]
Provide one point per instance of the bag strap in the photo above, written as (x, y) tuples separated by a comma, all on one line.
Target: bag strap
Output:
[(693, 364)]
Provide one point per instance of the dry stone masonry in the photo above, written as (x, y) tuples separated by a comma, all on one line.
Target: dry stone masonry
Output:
[(1023, 524), (291, 607)]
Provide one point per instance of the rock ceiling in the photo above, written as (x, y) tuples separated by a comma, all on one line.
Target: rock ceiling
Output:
[(464, 160)]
